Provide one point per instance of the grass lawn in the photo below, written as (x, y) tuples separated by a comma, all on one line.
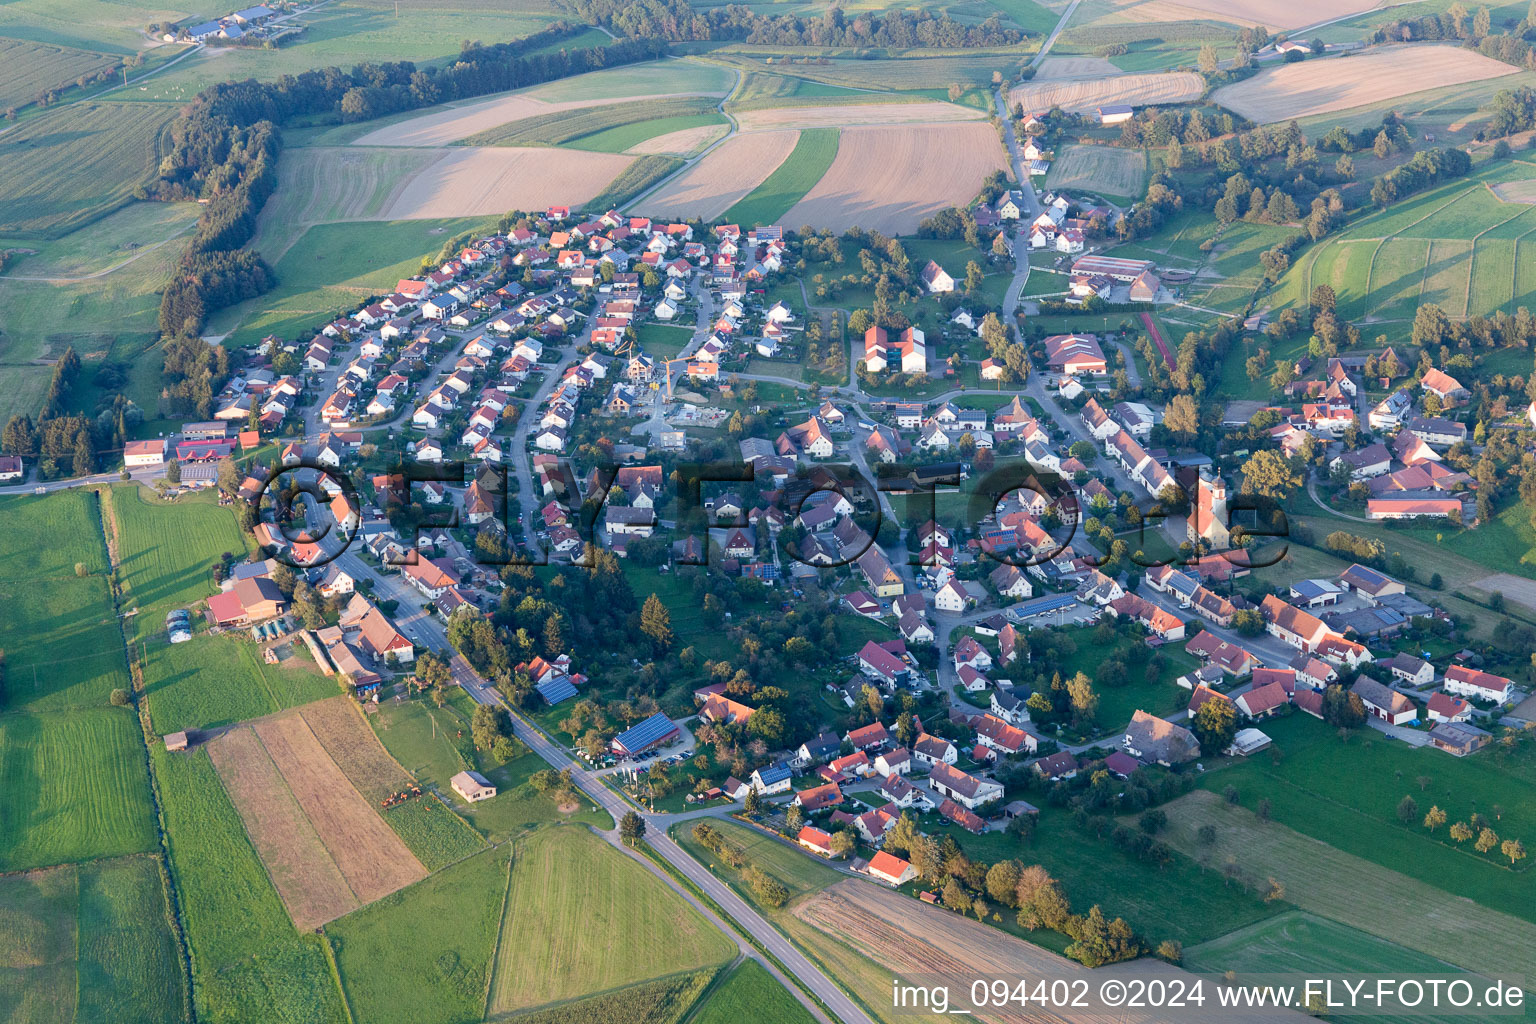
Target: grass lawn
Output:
[(813, 153), (74, 787), (1323, 879), (1182, 900), (89, 942), (1346, 795), (421, 955), (73, 654), (663, 341), (249, 965), (582, 917), (433, 744), (436, 835), (1120, 696), (167, 548), (216, 680), (799, 872), (751, 992), (71, 165), (48, 535), (1300, 942)]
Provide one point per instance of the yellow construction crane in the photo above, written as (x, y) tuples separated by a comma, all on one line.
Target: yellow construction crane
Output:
[(666, 369)]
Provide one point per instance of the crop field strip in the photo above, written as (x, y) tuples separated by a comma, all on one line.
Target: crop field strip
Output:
[(571, 127), (432, 831), (890, 178), (249, 964), (645, 173), (722, 176), (807, 163), (1451, 236), (302, 870), (371, 857)]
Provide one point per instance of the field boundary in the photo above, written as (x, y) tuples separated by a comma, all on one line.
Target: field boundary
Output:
[(111, 534), (501, 919)]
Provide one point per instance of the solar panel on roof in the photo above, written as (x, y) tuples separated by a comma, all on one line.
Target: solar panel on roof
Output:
[(646, 733), (556, 690)]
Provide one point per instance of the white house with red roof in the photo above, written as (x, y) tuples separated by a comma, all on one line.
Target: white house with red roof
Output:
[(1469, 682)]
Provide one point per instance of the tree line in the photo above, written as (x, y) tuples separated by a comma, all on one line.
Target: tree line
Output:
[(677, 20), (224, 146)]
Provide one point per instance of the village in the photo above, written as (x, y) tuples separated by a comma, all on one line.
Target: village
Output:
[(516, 365)]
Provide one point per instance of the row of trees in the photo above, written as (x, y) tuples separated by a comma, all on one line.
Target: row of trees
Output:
[(678, 20), (65, 443), (224, 147)]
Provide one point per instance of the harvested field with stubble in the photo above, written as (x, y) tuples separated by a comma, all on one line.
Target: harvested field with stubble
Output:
[(910, 938), (1269, 13), (338, 725), (771, 118), (1084, 95), (890, 179), (1516, 191), (305, 876), (442, 127), (1342, 887), (467, 182), (371, 857), (723, 175), (680, 143), (1120, 172), (324, 846), (1342, 83)]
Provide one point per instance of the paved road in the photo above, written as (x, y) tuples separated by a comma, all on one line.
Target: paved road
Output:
[(743, 915)]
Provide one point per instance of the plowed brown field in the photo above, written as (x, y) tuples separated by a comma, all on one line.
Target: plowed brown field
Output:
[(723, 175), (307, 879), (889, 179), (371, 857)]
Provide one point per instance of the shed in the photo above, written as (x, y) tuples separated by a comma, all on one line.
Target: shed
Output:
[(176, 741), (472, 786)]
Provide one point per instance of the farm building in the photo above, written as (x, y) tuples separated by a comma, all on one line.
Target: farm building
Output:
[(652, 732), (472, 786), (1114, 113), (1114, 267), (176, 741), (248, 601)]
